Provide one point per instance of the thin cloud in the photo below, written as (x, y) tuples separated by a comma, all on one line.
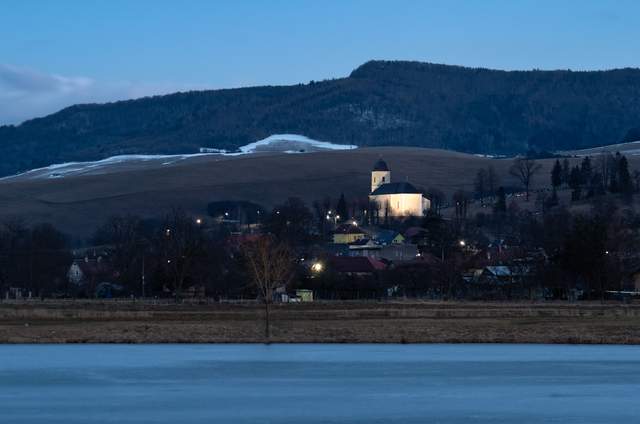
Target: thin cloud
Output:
[(27, 93)]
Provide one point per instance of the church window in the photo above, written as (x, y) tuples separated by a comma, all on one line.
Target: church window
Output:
[(383, 178)]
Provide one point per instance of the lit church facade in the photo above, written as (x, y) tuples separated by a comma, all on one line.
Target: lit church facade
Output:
[(399, 199)]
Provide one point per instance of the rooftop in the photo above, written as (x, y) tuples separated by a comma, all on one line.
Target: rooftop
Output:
[(396, 188), (348, 229), (380, 165)]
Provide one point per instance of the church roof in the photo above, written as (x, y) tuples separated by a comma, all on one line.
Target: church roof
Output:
[(380, 165), (396, 188)]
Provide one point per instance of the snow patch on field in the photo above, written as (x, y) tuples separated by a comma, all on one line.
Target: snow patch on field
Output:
[(60, 170), (293, 139), (280, 143), (631, 148), (283, 143)]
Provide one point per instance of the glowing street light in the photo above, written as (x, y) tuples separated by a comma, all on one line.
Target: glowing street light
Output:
[(198, 221), (317, 267), (462, 243)]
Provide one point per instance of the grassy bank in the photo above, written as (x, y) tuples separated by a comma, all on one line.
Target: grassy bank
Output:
[(402, 322)]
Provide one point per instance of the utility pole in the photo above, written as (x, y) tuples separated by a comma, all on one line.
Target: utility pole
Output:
[(143, 282)]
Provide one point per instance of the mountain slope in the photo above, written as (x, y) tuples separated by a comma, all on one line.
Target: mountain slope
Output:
[(380, 103)]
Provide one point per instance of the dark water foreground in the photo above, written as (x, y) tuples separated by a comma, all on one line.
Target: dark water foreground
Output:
[(319, 384)]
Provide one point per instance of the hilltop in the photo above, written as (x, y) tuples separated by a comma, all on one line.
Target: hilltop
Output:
[(380, 103)]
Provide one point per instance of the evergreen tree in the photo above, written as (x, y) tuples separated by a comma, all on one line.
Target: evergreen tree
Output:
[(492, 181), (566, 171), (585, 169), (556, 176), (614, 170), (596, 187), (341, 208), (587, 173), (501, 201), (480, 185), (625, 184), (575, 183)]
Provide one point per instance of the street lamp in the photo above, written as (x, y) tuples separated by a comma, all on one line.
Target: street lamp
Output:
[(198, 221), (462, 243), (317, 267)]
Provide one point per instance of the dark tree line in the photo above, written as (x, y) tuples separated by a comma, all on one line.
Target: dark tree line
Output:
[(607, 174), (33, 258)]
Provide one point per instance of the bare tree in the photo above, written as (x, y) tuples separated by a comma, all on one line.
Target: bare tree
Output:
[(123, 236), (492, 181), (437, 197), (480, 184), (270, 265), (524, 169), (182, 241), (461, 202)]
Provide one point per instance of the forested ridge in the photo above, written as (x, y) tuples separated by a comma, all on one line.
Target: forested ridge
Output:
[(380, 103)]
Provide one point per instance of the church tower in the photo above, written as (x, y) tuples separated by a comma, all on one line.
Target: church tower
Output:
[(380, 175)]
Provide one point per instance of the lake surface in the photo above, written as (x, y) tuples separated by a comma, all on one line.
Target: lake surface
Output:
[(319, 384)]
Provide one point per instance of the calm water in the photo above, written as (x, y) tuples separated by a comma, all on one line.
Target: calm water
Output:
[(319, 384)]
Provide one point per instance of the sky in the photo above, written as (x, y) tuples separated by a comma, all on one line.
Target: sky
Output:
[(57, 53)]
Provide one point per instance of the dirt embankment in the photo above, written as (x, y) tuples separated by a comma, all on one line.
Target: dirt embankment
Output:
[(402, 322)]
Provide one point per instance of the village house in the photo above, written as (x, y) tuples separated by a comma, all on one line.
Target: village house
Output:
[(355, 266), (88, 269), (393, 252), (388, 237), (348, 233), (631, 281)]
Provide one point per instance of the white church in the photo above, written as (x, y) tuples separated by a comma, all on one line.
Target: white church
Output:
[(399, 199)]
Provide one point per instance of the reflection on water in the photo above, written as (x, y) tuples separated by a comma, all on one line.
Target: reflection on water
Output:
[(319, 384)]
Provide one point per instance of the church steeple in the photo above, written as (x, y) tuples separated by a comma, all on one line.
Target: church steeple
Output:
[(380, 174)]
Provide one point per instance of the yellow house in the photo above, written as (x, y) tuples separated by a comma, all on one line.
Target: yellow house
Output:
[(347, 233)]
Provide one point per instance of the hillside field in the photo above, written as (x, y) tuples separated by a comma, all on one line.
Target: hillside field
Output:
[(77, 204)]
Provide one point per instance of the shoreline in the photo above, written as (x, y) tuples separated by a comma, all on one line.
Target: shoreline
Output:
[(404, 322)]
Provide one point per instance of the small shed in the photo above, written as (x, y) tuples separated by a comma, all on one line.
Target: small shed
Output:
[(305, 295)]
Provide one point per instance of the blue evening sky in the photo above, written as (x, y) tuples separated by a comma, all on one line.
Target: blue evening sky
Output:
[(56, 53)]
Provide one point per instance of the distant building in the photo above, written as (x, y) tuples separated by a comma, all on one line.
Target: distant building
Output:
[(388, 237), (356, 266), (395, 199), (304, 295)]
